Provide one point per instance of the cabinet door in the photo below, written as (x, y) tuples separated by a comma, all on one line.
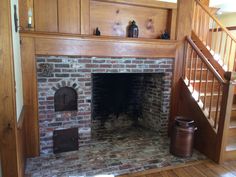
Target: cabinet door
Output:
[(46, 15), (69, 16)]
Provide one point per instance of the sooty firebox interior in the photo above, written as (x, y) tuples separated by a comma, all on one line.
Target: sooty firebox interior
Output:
[(132, 95), (65, 99)]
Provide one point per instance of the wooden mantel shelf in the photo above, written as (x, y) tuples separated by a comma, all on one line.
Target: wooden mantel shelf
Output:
[(100, 46)]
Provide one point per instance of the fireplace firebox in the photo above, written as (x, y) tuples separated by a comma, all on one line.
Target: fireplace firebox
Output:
[(87, 92), (127, 99)]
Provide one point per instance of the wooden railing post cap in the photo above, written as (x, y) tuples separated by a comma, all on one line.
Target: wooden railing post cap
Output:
[(230, 76)]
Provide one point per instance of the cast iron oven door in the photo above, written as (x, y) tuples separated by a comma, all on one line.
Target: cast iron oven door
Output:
[(65, 140), (65, 99)]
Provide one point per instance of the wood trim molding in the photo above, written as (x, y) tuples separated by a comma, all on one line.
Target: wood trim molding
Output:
[(82, 45), (183, 29), (8, 128), (21, 143), (85, 16), (144, 3), (230, 28), (30, 96)]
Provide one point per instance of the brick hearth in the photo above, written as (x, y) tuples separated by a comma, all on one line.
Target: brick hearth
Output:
[(56, 72)]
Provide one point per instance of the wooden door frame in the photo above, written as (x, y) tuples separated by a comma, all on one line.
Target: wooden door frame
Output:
[(8, 122)]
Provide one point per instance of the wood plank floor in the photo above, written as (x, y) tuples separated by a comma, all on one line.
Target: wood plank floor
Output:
[(198, 169)]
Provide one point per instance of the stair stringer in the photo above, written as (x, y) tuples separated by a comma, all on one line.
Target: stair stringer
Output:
[(205, 137), (208, 54)]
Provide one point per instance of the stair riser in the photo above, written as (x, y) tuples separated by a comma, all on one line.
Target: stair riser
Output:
[(230, 155), (199, 63), (208, 100), (233, 115), (203, 87), (234, 101), (213, 115), (200, 75), (232, 132)]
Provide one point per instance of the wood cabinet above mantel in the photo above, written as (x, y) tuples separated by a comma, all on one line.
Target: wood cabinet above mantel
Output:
[(111, 16)]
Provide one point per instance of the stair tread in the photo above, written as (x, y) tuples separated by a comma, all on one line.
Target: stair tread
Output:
[(198, 81), (232, 124), (214, 108), (209, 94), (234, 107)]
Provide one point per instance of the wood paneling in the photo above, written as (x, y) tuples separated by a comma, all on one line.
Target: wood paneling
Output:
[(8, 127), (144, 3), (205, 2), (71, 45), (112, 19), (46, 15), (103, 48), (112, 16), (69, 16), (171, 23), (24, 6), (30, 96), (85, 17)]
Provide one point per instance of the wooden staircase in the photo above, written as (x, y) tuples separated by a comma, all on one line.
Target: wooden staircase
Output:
[(209, 75)]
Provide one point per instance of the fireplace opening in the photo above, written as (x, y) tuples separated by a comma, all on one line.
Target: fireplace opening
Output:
[(127, 99), (65, 99)]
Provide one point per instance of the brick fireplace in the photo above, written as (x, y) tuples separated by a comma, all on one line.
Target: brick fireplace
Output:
[(145, 82)]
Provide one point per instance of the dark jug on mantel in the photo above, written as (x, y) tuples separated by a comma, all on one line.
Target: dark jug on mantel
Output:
[(133, 30)]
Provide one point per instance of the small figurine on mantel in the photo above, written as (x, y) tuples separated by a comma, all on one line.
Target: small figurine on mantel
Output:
[(97, 32), (133, 30), (165, 35)]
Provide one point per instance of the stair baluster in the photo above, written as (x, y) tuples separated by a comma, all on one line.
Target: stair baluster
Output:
[(217, 38)]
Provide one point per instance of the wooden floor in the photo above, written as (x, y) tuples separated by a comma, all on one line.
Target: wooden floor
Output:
[(197, 169)]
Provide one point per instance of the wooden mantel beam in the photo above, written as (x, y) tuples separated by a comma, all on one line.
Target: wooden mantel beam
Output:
[(82, 45)]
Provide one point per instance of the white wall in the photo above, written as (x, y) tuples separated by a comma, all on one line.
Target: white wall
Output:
[(17, 62), (228, 20)]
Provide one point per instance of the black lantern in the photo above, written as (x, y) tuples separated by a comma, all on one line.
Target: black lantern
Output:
[(97, 32), (133, 30), (165, 35)]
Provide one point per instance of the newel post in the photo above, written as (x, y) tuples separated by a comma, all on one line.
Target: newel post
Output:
[(225, 114), (183, 29)]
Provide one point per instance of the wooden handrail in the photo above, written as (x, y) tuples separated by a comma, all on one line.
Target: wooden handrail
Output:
[(215, 36), (216, 20), (204, 59), (205, 83)]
